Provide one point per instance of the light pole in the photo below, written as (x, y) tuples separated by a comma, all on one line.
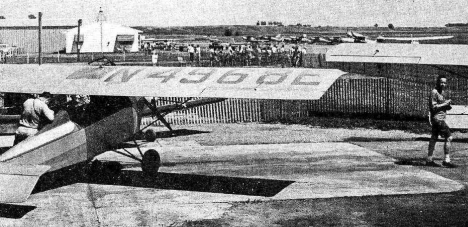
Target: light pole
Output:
[(39, 38), (78, 42)]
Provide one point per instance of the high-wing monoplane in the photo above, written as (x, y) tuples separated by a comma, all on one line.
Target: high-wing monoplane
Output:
[(119, 100), (413, 40)]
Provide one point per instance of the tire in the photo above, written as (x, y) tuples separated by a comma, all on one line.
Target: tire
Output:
[(151, 162), (150, 135)]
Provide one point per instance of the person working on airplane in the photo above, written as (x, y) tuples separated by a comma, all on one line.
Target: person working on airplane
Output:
[(36, 113), (76, 108), (438, 106)]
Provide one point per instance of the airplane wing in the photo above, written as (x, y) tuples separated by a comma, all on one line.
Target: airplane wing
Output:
[(428, 54), (415, 38), (257, 83)]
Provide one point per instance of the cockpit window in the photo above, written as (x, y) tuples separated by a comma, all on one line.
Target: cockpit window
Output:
[(86, 110)]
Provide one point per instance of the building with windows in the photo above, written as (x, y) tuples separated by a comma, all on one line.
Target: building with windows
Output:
[(103, 37)]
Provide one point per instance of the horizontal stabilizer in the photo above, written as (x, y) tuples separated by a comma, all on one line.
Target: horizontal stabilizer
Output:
[(18, 181)]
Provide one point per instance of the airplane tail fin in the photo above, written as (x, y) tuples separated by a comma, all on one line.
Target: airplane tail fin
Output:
[(18, 181)]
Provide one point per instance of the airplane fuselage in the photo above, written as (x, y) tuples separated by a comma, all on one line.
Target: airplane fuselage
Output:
[(67, 143)]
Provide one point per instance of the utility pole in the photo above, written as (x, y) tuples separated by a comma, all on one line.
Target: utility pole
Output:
[(78, 42), (39, 37)]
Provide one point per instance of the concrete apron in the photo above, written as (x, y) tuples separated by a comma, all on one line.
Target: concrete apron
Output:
[(285, 171), (203, 182)]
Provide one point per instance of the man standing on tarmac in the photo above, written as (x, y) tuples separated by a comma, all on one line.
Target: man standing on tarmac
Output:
[(438, 106), (35, 114), (191, 51)]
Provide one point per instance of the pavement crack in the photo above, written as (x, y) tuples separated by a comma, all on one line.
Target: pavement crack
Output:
[(92, 199)]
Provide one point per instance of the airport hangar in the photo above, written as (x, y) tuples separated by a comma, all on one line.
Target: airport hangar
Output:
[(56, 36)]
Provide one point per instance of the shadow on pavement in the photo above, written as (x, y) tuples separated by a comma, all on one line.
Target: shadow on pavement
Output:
[(14, 211), (110, 173), (178, 132), (375, 139), (455, 140), (386, 139), (411, 162)]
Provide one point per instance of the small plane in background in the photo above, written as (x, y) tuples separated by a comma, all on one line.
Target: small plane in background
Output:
[(323, 41), (263, 38), (298, 39), (267, 38), (209, 38), (250, 39), (354, 37), (118, 100)]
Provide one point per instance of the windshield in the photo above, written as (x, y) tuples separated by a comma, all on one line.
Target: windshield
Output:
[(86, 110)]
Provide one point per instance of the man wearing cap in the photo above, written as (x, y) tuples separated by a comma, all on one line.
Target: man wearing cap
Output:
[(36, 113)]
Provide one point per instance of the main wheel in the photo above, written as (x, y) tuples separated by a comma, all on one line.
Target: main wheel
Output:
[(150, 135), (151, 162)]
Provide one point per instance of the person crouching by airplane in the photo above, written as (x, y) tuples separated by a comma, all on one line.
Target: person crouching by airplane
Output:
[(438, 106), (36, 113)]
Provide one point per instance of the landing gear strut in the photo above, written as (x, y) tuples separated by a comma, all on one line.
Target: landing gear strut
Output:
[(150, 160)]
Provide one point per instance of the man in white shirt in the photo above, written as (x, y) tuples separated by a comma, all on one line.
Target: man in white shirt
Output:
[(35, 114), (191, 51)]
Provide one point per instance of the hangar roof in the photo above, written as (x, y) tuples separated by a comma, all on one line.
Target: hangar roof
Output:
[(106, 26)]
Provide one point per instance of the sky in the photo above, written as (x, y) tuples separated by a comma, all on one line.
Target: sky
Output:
[(164, 13)]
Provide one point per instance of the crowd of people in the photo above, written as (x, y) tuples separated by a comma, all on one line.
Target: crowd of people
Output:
[(149, 48), (248, 55)]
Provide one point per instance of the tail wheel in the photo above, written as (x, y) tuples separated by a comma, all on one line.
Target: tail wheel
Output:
[(151, 162), (150, 135)]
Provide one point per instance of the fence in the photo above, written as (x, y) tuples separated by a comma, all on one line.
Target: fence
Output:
[(175, 58), (391, 90), (349, 95)]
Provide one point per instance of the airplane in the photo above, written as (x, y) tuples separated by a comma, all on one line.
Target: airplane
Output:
[(412, 40), (440, 55), (354, 37), (118, 101), (323, 40), (267, 38), (263, 38), (252, 39), (298, 39)]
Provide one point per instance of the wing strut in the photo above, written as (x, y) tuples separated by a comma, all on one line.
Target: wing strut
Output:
[(157, 113)]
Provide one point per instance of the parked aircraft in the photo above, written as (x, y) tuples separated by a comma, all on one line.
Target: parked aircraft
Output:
[(323, 41), (413, 40), (117, 104), (298, 39), (263, 38), (267, 38), (354, 37), (250, 39), (400, 53)]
